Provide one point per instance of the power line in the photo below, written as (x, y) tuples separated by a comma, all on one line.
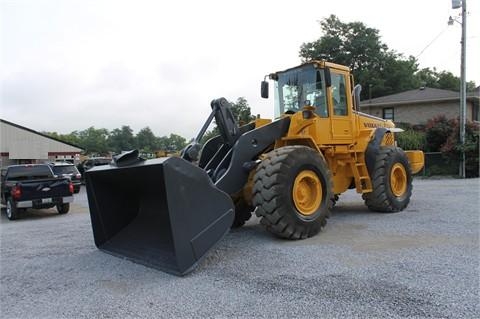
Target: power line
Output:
[(431, 42)]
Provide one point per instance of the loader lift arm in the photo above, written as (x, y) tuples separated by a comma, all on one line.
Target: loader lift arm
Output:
[(227, 158), (227, 125)]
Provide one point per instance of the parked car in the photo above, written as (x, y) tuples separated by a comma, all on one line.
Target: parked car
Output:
[(34, 186), (95, 161), (66, 169), (91, 162)]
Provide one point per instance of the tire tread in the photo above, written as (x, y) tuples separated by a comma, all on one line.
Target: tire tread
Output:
[(271, 182)]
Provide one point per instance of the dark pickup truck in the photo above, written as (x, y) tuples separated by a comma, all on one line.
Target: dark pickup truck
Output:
[(34, 186)]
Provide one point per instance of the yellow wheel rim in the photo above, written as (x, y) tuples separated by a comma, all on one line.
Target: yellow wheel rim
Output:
[(307, 192), (398, 179)]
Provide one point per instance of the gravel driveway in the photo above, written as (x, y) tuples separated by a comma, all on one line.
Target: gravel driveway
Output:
[(422, 262)]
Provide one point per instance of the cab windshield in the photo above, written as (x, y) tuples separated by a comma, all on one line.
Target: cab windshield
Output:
[(299, 87)]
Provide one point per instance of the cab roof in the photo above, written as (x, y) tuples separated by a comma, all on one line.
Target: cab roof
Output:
[(319, 64)]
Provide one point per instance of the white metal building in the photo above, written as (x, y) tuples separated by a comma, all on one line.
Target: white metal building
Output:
[(20, 145)]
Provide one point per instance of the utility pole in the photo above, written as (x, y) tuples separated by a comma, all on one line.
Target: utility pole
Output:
[(463, 88), (463, 82)]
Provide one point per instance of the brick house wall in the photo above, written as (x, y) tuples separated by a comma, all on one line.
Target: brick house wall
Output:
[(417, 106), (419, 113)]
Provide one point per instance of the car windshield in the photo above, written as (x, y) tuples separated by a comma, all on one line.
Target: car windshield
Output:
[(64, 169), (299, 87), (29, 172)]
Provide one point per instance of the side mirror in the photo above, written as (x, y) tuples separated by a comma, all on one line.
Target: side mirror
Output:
[(328, 77), (264, 89)]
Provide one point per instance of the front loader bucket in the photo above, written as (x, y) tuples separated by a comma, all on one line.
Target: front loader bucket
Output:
[(164, 213)]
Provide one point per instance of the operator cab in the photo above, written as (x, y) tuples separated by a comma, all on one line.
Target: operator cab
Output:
[(307, 85), (319, 84), (299, 87)]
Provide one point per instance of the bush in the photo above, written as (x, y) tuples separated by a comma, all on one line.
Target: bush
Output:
[(442, 135), (452, 148), (403, 125), (443, 170), (411, 140), (438, 130)]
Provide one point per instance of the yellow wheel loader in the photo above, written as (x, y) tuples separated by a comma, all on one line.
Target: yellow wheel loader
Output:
[(168, 212)]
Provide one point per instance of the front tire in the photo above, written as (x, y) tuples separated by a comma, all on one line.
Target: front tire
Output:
[(11, 210), (63, 208), (391, 181), (292, 192)]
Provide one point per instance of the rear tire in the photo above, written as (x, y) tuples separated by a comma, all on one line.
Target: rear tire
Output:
[(391, 181), (11, 210), (63, 208), (292, 192)]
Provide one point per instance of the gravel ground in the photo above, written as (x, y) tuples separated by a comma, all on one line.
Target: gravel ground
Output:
[(422, 262)]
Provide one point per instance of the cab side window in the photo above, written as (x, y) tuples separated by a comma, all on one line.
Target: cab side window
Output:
[(339, 94)]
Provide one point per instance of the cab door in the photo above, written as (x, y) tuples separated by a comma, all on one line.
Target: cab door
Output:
[(341, 113)]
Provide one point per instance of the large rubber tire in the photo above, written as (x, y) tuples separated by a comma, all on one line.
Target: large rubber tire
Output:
[(391, 181), (63, 208), (276, 177), (11, 210)]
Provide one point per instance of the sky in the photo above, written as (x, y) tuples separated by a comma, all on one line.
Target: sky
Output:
[(69, 65)]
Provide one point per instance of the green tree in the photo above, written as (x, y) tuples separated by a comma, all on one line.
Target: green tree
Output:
[(52, 134), (162, 143), (397, 74), (175, 142), (427, 78), (448, 81), (146, 140), (471, 86), (358, 46), (441, 80), (121, 139), (353, 44), (71, 138), (94, 140), (172, 143), (241, 112), (373, 64)]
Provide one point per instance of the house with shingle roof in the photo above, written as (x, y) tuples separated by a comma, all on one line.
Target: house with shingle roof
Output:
[(419, 105)]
